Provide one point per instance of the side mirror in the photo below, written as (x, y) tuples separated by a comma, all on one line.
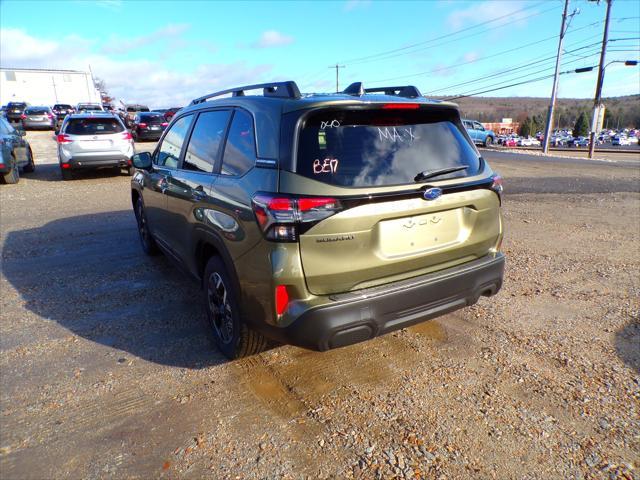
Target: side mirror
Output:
[(142, 160)]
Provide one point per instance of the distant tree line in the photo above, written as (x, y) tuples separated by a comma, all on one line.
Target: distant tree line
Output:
[(621, 112)]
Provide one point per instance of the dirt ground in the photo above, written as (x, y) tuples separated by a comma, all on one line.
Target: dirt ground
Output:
[(106, 369)]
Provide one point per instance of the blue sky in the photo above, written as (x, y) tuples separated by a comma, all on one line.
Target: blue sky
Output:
[(167, 52)]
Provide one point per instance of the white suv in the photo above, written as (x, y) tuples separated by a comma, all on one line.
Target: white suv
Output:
[(97, 140)]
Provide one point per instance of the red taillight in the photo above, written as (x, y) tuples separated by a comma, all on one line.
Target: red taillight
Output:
[(164, 124), (401, 106), (306, 204), (127, 136), (23, 116), (1, 165), (282, 299), (282, 218), (142, 125), (66, 165), (63, 138), (49, 115)]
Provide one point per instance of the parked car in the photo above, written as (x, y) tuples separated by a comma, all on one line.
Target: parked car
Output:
[(38, 117), (93, 140), (478, 133), (148, 126), (578, 142), (62, 110), (511, 141), (170, 112), (89, 107), (620, 140), (130, 112), (16, 153), (14, 111), (296, 236)]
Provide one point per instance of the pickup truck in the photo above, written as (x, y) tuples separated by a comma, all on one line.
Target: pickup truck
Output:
[(478, 133)]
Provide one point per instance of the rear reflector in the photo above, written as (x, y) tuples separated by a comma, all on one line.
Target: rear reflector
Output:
[(127, 136), (282, 299), (63, 138), (66, 165), (401, 106)]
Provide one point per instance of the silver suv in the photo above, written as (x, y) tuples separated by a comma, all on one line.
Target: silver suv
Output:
[(94, 140)]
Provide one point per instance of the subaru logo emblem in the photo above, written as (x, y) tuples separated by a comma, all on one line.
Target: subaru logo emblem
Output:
[(432, 193)]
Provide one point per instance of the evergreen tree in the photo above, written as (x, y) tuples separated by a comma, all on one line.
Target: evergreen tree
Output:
[(581, 128), (525, 127)]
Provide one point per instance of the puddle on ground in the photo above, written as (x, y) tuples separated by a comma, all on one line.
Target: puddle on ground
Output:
[(431, 329), (265, 385)]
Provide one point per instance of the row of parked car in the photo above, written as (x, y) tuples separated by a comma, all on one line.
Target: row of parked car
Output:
[(46, 117), (89, 135)]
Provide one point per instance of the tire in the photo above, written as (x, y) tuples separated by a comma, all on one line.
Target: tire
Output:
[(149, 245), (129, 171), (488, 141), (13, 176), (30, 167), (230, 333), (66, 174)]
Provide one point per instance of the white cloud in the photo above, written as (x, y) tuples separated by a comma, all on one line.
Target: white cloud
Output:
[(147, 81), (171, 32), (272, 38), (17, 47), (483, 11)]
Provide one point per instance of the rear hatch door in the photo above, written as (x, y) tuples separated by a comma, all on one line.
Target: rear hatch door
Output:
[(95, 134), (393, 223)]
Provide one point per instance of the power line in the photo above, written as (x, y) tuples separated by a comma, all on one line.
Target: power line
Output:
[(539, 79), (509, 69), (388, 55), (475, 60), (357, 59), (517, 78)]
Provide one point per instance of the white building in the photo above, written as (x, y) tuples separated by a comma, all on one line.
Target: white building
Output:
[(46, 87)]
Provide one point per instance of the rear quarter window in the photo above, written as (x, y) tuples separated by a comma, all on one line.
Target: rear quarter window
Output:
[(363, 148)]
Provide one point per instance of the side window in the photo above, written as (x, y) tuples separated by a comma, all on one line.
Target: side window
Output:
[(169, 151), (3, 129), (240, 150), (468, 125), (205, 141), (478, 126)]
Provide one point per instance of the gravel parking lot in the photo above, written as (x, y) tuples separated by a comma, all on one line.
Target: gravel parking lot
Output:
[(107, 371)]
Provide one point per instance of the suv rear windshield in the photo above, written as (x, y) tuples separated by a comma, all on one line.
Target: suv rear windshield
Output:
[(361, 148), (36, 110), (62, 106), (93, 126), (16, 105), (153, 118)]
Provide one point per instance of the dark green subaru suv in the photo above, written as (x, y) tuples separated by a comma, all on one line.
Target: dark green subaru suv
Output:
[(321, 220)]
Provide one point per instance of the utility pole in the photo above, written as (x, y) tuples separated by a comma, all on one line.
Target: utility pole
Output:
[(554, 90), (598, 96), (337, 67)]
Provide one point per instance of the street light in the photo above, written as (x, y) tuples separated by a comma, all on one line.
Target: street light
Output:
[(596, 106)]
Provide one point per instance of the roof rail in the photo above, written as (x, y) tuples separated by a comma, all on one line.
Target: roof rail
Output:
[(407, 91), (287, 89)]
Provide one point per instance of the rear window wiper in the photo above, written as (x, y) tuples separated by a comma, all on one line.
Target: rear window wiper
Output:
[(436, 173)]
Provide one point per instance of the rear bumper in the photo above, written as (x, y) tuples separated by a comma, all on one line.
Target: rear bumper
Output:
[(103, 161), (354, 317), (149, 135), (42, 124)]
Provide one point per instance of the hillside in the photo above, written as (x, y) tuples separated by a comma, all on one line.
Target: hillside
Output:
[(621, 111)]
